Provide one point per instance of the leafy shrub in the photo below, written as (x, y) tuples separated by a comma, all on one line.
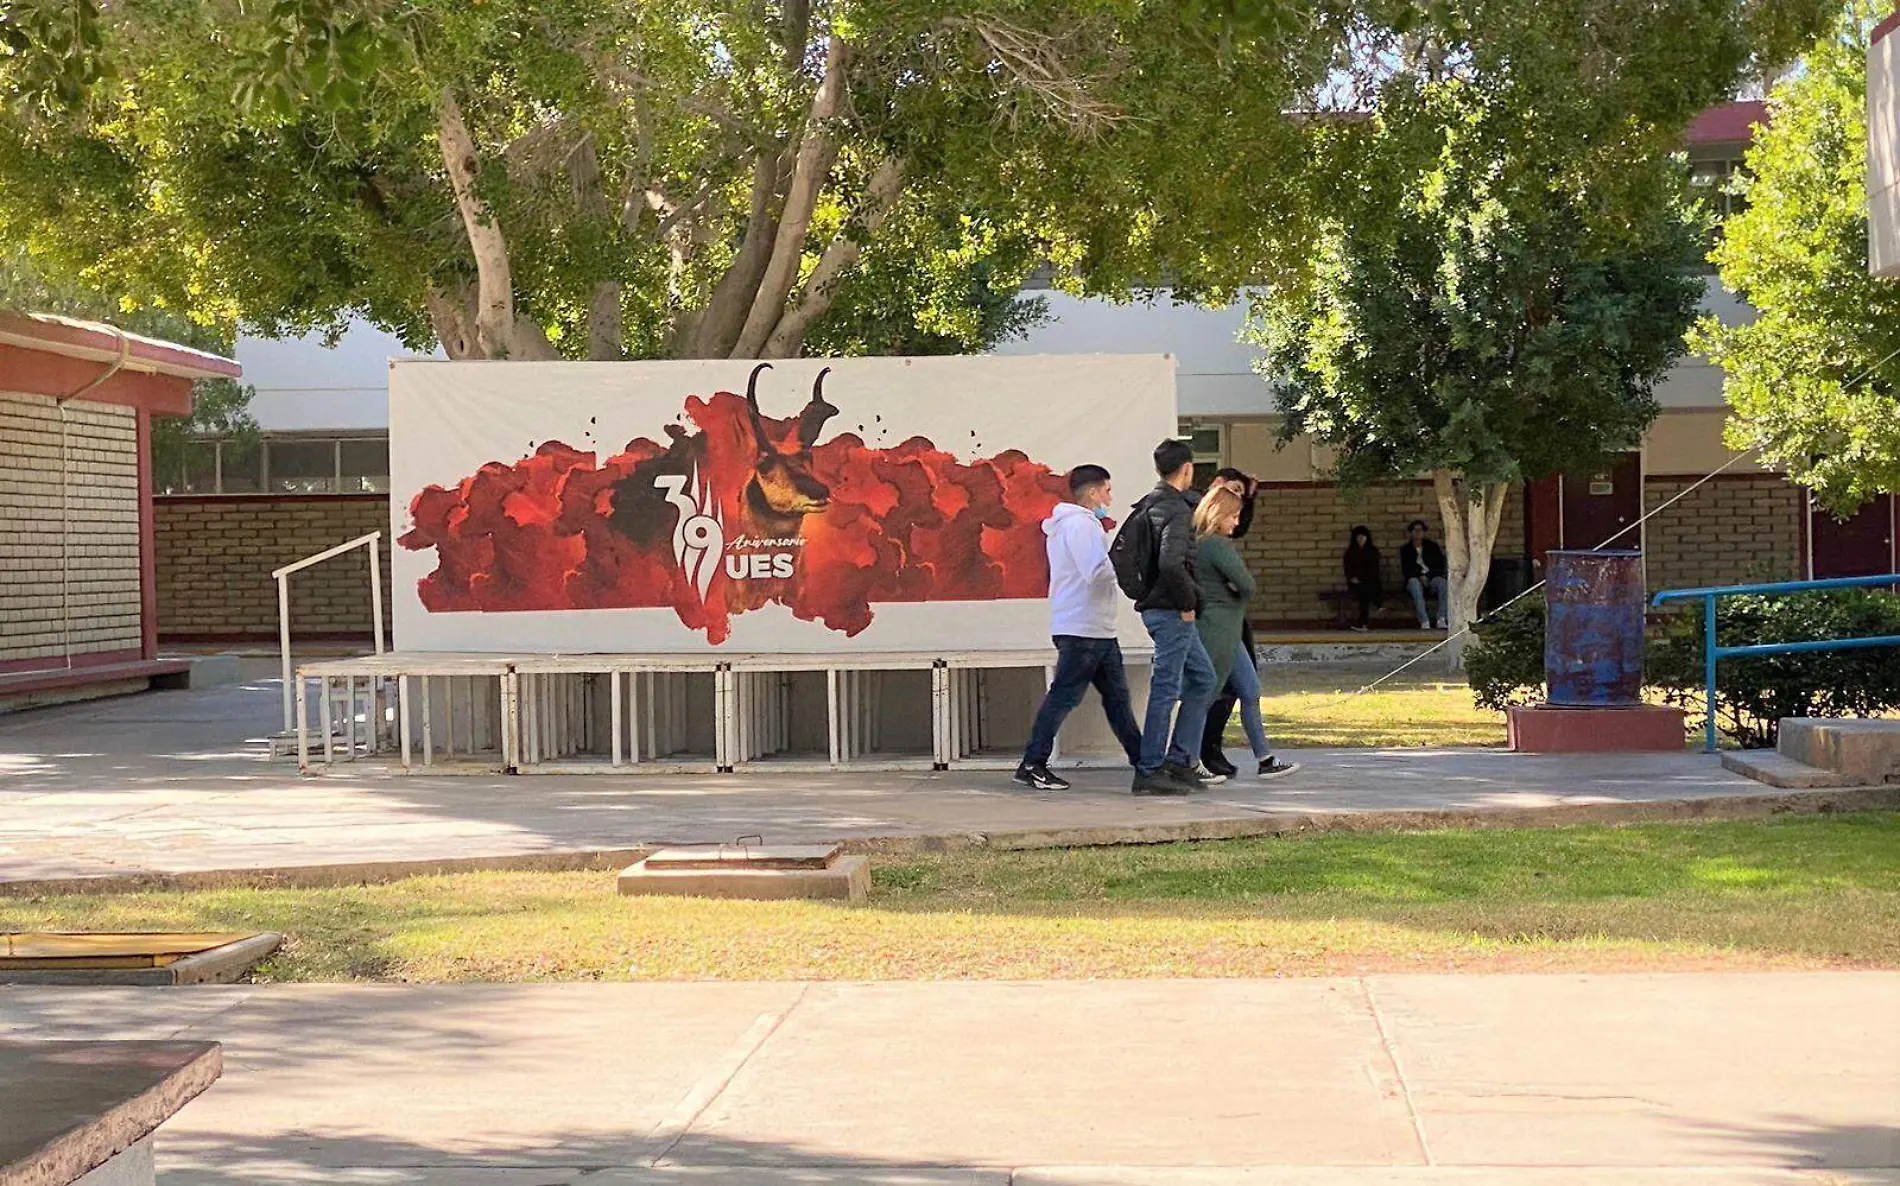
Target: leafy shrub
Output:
[(1753, 693), (1506, 663)]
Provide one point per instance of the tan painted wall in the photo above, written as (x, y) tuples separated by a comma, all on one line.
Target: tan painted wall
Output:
[(69, 558), (1690, 442), (215, 556)]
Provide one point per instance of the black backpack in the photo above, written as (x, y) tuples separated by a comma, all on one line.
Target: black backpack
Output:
[(1135, 553)]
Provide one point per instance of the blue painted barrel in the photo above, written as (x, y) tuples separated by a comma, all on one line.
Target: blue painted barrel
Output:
[(1593, 640)]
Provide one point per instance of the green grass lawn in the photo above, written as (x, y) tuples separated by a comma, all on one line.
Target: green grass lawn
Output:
[(1792, 892), (1422, 707)]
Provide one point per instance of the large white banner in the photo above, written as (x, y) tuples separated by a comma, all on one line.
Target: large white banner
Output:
[(873, 504)]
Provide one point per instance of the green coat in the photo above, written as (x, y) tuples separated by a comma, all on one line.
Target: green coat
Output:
[(1226, 588)]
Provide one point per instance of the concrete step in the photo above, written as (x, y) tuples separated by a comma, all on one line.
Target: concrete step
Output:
[(1866, 752), (1779, 770)]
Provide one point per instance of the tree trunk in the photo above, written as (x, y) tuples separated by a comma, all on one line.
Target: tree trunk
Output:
[(821, 287), (817, 151), (1471, 514), (498, 332)]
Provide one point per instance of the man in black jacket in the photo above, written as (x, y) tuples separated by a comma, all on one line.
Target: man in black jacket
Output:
[(1213, 755), (1182, 672)]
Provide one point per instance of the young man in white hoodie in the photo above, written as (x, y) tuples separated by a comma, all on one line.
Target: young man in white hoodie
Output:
[(1083, 597)]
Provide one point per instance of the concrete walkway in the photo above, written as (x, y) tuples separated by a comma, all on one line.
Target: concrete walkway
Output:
[(1745, 1080), (166, 783)]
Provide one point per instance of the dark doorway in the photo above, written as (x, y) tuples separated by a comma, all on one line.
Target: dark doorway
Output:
[(1859, 546), (1596, 506)]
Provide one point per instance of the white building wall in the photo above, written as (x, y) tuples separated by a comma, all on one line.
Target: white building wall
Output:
[(305, 386)]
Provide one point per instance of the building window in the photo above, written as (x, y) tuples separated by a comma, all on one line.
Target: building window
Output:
[(1209, 442), (281, 465)]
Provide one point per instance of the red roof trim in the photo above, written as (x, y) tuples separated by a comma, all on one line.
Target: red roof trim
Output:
[(97, 342), (1727, 123), (1884, 27)]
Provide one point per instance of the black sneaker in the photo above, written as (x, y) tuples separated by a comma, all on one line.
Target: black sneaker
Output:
[(1185, 775), (1220, 766), (1158, 783), (1272, 767), (1039, 778)]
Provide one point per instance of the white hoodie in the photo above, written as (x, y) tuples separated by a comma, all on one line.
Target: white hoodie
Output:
[(1082, 589)]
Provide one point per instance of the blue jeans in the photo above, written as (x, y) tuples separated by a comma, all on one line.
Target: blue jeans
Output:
[(1244, 683), (1417, 589), (1079, 663), (1183, 675)]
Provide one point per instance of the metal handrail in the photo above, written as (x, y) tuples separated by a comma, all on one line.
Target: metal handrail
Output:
[(1711, 652), (282, 577)]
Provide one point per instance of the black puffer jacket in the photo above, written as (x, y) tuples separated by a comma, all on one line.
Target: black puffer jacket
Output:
[(1171, 513)]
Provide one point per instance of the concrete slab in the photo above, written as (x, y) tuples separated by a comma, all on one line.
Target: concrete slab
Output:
[(845, 879), (167, 787), (1651, 1070), (1685, 1080), (72, 1107), (1778, 770), (1231, 1072), (1864, 751), (1439, 1175)]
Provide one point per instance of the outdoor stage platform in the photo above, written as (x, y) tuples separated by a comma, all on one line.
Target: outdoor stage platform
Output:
[(475, 713)]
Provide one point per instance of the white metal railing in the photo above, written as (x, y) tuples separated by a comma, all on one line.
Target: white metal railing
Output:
[(282, 577)]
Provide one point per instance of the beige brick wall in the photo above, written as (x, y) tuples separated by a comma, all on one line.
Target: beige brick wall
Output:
[(69, 553), (1300, 531), (215, 556), (1731, 531)]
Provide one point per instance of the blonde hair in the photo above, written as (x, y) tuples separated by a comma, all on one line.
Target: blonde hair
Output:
[(1216, 507)]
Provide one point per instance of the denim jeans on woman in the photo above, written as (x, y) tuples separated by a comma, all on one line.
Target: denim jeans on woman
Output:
[(1184, 676), (1245, 684)]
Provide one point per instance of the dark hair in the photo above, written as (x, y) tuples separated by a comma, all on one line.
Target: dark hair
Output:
[(1171, 455), (1419, 523), (1230, 474), (1084, 476), (1359, 529)]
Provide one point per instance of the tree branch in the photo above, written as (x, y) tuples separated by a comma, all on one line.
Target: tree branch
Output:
[(725, 311), (821, 287), (1034, 62), (498, 332), (604, 328), (451, 316), (815, 156)]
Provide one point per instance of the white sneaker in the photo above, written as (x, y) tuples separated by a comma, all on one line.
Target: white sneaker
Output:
[(1208, 776), (1442, 625)]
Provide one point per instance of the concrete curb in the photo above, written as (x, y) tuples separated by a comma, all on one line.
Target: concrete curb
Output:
[(1264, 824)]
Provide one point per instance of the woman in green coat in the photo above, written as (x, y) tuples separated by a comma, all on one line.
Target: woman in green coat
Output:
[(1226, 588)]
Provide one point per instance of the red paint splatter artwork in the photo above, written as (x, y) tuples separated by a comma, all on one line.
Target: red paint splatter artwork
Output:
[(744, 511)]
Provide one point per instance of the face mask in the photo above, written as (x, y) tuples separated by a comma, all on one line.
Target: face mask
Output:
[(1099, 512)]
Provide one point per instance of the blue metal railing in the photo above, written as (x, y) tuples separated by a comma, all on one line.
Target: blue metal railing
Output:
[(1712, 652)]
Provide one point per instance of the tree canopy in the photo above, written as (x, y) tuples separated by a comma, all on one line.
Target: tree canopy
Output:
[(1504, 270), (681, 178), (1811, 380), (533, 178)]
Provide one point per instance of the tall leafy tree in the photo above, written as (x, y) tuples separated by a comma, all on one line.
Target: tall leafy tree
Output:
[(1506, 271), (220, 407), (1811, 381), (694, 178)]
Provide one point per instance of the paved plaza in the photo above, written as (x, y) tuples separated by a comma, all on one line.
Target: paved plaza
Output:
[(175, 783), (1743, 1080)]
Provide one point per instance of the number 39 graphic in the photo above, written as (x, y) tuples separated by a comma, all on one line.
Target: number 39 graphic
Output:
[(698, 539)]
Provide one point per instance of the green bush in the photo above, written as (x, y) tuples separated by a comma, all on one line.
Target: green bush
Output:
[(1752, 694), (1506, 663)]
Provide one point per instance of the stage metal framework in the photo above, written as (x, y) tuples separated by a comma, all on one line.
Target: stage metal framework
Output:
[(467, 713)]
